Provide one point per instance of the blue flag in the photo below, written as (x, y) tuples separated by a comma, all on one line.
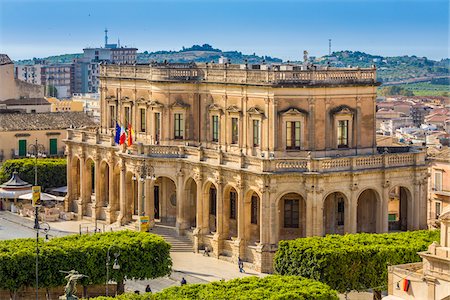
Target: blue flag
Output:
[(117, 137)]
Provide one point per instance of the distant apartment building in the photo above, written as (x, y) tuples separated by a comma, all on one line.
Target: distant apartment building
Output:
[(27, 105), (64, 105), (439, 183), (89, 102)]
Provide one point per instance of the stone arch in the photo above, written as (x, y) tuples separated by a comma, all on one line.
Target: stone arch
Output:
[(291, 216), (335, 208), (102, 190), (130, 196), (231, 200), (210, 192), (252, 216), (89, 188), (114, 201), (399, 208), (368, 211), (75, 177), (190, 196), (165, 200)]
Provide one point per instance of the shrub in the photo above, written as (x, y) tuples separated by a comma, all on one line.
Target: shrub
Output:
[(255, 288), (142, 256), (51, 172), (353, 261)]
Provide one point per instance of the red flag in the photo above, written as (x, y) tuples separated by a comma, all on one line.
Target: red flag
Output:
[(130, 136)]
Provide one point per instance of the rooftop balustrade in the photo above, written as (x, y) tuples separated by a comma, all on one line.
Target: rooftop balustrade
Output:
[(390, 157), (242, 74)]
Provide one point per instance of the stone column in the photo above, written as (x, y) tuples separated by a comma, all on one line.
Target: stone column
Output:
[(200, 230), (240, 242), (150, 201), (309, 211), (383, 218), (81, 202), (70, 181), (140, 190), (96, 206), (353, 212), (318, 213), (112, 206), (265, 251), (415, 206), (272, 117), (265, 123), (218, 236), (123, 215), (182, 223)]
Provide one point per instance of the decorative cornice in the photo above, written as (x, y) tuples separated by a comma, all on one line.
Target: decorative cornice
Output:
[(293, 111), (233, 109), (255, 111), (179, 104), (155, 104), (342, 110), (215, 107)]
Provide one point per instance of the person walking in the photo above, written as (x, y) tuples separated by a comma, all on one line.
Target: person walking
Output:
[(148, 289), (183, 281), (241, 265)]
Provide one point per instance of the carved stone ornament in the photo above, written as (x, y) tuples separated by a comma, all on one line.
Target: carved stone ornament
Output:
[(155, 104), (233, 109), (179, 104), (293, 112), (254, 111), (125, 99), (217, 177), (214, 107), (110, 98), (141, 100)]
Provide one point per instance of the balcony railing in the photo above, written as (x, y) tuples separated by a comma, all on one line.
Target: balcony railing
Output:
[(241, 74), (275, 165)]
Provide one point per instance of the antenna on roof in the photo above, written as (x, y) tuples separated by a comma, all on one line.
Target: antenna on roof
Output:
[(106, 36), (329, 46)]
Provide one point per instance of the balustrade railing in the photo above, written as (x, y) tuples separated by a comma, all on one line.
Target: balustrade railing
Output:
[(388, 159), (238, 73)]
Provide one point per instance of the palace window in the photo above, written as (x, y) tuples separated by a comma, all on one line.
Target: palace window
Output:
[(142, 117), (127, 118), (342, 134), (293, 135), (234, 130), (291, 213), (53, 146), (179, 127), (437, 210), (437, 180), (233, 200), (340, 211), (22, 148), (215, 128), (256, 136), (212, 201), (157, 126), (112, 117), (254, 210)]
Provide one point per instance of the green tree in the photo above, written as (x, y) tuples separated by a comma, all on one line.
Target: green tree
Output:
[(352, 261)]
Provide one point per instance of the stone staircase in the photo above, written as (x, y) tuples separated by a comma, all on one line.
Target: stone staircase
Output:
[(169, 234)]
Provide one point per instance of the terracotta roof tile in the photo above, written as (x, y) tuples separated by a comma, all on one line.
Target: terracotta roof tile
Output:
[(44, 121)]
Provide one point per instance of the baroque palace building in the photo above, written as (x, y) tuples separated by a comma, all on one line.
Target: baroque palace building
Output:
[(239, 157)]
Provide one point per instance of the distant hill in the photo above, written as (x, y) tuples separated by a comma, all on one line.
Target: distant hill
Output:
[(391, 70)]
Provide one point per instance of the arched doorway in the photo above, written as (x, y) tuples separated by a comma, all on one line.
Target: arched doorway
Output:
[(230, 212), (367, 211), (165, 193), (191, 202), (113, 203), (252, 217), (292, 216), (103, 190), (334, 209), (75, 187), (398, 208), (130, 196), (210, 199)]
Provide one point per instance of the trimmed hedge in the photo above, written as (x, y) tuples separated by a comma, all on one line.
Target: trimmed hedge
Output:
[(142, 256), (255, 288), (51, 171), (353, 261)]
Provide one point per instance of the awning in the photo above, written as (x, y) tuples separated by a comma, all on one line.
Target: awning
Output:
[(61, 189), (44, 197), (13, 194)]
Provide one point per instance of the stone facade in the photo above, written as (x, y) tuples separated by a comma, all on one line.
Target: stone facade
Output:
[(240, 157)]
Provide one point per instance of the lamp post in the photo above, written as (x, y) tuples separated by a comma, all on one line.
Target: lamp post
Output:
[(145, 172), (37, 150), (115, 266)]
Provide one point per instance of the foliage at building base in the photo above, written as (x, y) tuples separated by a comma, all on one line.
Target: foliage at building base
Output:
[(142, 256), (255, 288), (352, 261), (51, 171)]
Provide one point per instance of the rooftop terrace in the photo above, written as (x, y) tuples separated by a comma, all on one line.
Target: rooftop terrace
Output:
[(266, 75)]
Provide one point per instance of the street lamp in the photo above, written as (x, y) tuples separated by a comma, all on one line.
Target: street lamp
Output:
[(37, 150), (115, 266), (145, 173)]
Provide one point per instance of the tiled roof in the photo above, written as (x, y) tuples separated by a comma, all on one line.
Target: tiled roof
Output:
[(4, 59), (26, 101), (44, 121)]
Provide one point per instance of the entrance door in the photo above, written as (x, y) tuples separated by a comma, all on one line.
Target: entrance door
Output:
[(22, 148), (156, 197)]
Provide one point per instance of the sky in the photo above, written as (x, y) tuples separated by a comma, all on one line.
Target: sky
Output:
[(283, 28)]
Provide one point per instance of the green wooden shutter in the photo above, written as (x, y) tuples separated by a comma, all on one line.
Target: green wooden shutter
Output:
[(22, 147), (53, 146)]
